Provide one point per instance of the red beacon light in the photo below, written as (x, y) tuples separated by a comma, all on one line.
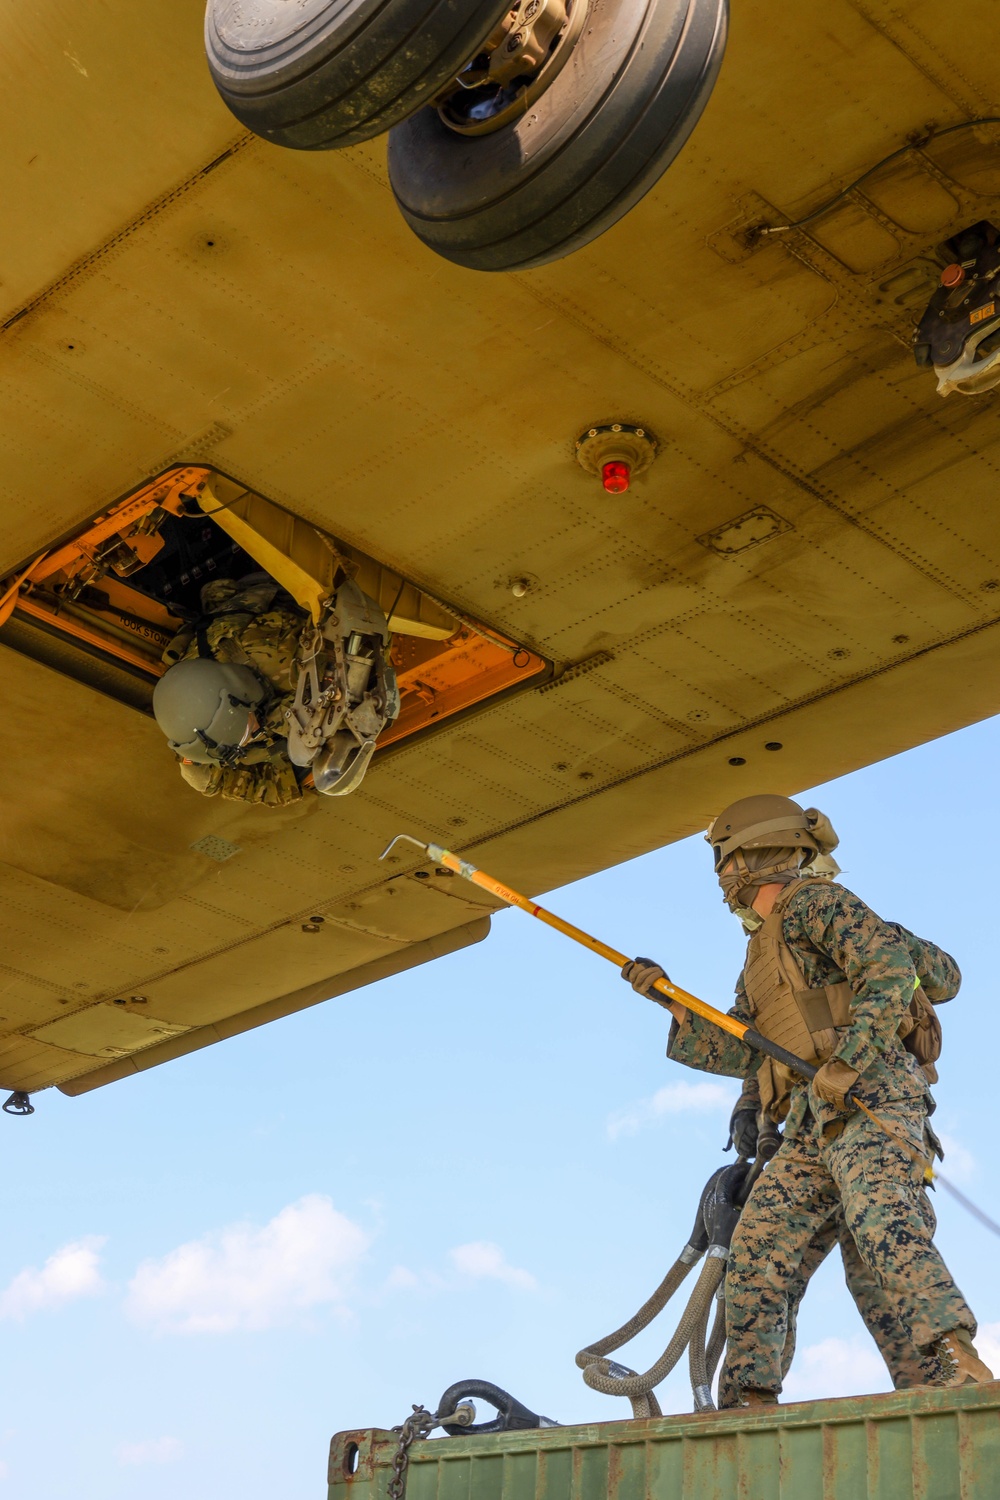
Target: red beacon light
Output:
[(615, 476), (615, 453)]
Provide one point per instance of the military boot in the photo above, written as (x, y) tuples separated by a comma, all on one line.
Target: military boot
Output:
[(751, 1397), (959, 1360)]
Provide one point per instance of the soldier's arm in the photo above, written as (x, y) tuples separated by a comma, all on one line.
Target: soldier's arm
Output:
[(940, 976), (873, 958), (750, 1097), (204, 779), (697, 1043)]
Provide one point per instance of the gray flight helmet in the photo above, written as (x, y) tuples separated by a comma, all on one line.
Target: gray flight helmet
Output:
[(206, 708)]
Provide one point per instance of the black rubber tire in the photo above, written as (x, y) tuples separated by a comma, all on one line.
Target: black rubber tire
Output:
[(341, 71), (584, 153)]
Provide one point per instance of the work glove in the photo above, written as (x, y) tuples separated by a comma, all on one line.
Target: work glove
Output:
[(832, 1082), (642, 974), (743, 1129)]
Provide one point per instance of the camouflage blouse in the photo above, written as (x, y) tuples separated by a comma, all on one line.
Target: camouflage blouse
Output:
[(835, 936)]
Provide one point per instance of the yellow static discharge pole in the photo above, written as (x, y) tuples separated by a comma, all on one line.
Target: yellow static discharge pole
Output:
[(673, 997), (672, 993)]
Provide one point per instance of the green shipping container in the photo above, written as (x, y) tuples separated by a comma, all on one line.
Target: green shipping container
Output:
[(910, 1445)]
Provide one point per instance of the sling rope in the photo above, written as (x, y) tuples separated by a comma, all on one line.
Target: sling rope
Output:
[(718, 1212)]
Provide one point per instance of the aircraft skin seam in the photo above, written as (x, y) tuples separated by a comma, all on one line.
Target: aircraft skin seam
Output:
[(882, 26), (611, 783), (153, 210), (748, 724), (735, 430), (396, 944)]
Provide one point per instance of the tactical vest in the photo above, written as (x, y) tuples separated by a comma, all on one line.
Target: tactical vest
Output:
[(267, 642), (784, 1009), (806, 1021)]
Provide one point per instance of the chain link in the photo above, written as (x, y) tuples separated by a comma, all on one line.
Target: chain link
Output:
[(420, 1425)]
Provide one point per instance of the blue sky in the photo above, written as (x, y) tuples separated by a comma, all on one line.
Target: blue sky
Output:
[(473, 1169)]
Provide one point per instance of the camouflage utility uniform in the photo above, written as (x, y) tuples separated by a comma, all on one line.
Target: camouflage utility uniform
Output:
[(835, 1163), (907, 1365), (939, 980), (268, 641)]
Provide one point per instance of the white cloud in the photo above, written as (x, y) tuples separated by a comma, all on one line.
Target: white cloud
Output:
[(836, 1367), (485, 1261), (245, 1277), (988, 1344), (162, 1450), (708, 1095), (67, 1274)]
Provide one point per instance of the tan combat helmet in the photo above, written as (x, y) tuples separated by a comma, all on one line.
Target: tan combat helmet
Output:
[(802, 839), (762, 822)]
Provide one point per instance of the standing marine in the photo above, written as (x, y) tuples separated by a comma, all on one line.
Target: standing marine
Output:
[(828, 980), (753, 1129)]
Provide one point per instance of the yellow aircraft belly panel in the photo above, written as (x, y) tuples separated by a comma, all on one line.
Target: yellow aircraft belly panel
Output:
[(810, 561)]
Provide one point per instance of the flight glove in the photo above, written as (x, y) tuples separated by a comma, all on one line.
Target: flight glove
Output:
[(743, 1129), (642, 974), (832, 1082)]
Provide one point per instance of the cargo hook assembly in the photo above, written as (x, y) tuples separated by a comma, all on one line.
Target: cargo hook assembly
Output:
[(511, 1414), (457, 1415), (18, 1104)]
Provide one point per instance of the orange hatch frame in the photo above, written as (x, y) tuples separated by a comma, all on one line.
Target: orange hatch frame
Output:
[(437, 679)]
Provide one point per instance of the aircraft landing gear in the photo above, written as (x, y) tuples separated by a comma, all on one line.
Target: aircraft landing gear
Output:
[(517, 133)]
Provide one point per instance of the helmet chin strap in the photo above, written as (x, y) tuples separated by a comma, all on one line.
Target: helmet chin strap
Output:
[(740, 883), (818, 867)]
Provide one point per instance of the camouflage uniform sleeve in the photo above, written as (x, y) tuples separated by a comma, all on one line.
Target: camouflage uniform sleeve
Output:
[(940, 976), (204, 779), (698, 1043), (873, 958), (750, 1096)]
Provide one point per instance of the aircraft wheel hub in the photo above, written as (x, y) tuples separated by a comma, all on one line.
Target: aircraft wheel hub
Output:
[(521, 57)]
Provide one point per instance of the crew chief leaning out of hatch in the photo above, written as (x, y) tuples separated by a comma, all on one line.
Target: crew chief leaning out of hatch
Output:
[(230, 677), (830, 981)]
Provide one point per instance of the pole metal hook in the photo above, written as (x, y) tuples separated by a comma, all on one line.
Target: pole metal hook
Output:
[(398, 840)]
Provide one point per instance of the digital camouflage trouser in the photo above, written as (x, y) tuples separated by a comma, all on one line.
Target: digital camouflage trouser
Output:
[(781, 1237), (904, 1361), (907, 1366)]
